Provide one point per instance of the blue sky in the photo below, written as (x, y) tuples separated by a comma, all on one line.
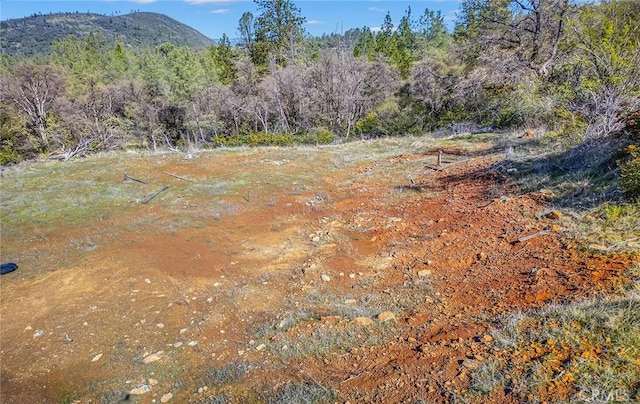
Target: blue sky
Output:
[(215, 17)]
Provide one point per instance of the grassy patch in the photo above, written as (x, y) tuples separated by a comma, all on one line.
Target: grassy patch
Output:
[(222, 375), (583, 181), (320, 340), (580, 178), (299, 393), (575, 352), (302, 334), (614, 225)]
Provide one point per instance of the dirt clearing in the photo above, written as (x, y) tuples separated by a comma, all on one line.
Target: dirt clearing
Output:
[(261, 274)]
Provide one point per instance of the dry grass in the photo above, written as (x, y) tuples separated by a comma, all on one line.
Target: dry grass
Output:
[(569, 352)]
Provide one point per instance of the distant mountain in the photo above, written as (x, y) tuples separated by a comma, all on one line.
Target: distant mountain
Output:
[(34, 35)]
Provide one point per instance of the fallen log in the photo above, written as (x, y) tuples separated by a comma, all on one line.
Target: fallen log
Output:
[(177, 176), (153, 195), (128, 177)]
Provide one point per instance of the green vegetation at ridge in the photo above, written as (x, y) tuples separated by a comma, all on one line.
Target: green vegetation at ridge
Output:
[(34, 35)]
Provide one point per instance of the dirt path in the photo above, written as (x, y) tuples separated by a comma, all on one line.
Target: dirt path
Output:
[(262, 273)]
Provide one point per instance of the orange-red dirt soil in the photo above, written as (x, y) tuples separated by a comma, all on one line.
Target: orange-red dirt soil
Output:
[(294, 249)]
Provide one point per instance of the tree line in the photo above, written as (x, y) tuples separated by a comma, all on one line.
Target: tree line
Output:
[(570, 68)]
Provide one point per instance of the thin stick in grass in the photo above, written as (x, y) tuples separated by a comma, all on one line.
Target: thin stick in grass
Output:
[(177, 176), (153, 195), (128, 177)]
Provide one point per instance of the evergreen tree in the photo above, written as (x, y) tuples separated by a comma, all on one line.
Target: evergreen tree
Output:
[(225, 60), (278, 30)]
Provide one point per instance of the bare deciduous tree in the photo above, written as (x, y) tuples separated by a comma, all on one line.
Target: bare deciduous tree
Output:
[(345, 89), (33, 88)]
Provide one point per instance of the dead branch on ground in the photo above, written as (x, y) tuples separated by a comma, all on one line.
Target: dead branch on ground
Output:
[(153, 195), (128, 177), (177, 176)]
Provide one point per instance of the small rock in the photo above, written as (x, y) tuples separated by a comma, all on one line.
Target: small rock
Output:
[(412, 340), (28, 328), (424, 273), (96, 358), (153, 382), (598, 247), (470, 363), (153, 357), (141, 389), (166, 397), (177, 344), (192, 343), (554, 215), (147, 280), (386, 316), (160, 325), (487, 338), (325, 278), (350, 301), (261, 347), (182, 331), (352, 276), (38, 333), (482, 255), (363, 321)]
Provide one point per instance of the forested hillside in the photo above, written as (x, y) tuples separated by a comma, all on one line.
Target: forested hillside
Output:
[(34, 35), (566, 69)]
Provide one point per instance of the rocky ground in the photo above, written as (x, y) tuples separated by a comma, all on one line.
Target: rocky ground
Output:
[(361, 274)]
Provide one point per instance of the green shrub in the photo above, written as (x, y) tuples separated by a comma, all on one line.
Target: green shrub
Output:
[(507, 118), (569, 125), (9, 156), (317, 136), (368, 126), (254, 139), (630, 172)]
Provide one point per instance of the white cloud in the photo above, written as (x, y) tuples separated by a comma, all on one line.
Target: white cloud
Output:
[(315, 22), (220, 11), (143, 1), (375, 29), (377, 10)]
